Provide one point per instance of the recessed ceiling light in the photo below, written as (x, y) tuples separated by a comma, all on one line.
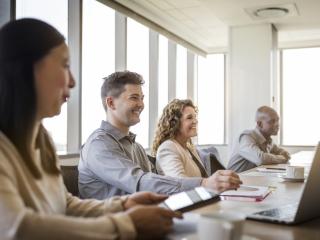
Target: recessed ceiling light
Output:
[(271, 12)]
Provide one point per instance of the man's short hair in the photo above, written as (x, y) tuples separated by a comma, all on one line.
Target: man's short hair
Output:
[(114, 84), (263, 111)]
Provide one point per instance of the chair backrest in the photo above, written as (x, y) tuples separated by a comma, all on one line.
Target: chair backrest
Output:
[(152, 160), (211, 159), (70, 178)]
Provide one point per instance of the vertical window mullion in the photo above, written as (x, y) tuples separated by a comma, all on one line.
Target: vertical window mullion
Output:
[(120, 42), (7, 11), (153, 82), (190, 75), (172, 70), (281, 97), (225, 130), (162, 74), (74, 103)]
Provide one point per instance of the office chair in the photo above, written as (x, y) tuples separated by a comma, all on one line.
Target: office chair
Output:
[(70, 178), (211, 159)]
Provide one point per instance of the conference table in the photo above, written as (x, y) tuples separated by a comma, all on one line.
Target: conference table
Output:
[(283, 193)]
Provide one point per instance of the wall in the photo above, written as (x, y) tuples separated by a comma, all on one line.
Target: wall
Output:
[(251, 75)]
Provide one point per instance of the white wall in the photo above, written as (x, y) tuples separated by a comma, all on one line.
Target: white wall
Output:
[(251, 75)]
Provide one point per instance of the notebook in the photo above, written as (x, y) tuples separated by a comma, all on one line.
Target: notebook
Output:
[(308, 206), (246, 193)]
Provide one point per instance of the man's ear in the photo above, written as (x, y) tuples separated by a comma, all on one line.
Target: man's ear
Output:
[(109, 101), (259, 124)]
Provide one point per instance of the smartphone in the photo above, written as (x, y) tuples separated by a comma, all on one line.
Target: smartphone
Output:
[(190, 200)]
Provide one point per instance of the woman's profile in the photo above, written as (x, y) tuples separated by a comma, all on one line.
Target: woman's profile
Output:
[(35, 80), (175, 153)]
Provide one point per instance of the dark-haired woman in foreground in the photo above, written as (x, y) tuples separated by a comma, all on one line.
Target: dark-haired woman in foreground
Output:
[(35, 80)]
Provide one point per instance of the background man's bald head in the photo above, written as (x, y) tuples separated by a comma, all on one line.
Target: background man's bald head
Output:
[(263, 112)]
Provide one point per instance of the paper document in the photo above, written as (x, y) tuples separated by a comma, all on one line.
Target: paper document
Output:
[(253, 193)]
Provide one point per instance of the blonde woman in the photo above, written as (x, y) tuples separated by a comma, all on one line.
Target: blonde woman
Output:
[(175, 154)]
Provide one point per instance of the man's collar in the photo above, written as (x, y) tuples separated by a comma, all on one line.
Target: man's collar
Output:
[(115, 132), (132, 137)]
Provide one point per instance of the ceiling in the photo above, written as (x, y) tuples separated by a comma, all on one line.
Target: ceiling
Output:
[(205, 23)]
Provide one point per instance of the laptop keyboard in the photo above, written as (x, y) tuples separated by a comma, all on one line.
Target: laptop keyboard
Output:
[(285, 212)]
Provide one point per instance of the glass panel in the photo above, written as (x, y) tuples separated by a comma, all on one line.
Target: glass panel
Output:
[(181, 84), (163, 74), (301, 98), (53, 12), (98, 61), (56, 14), (138, 61), (211, 97)]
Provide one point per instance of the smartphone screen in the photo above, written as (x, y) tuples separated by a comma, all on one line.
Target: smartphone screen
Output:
[(189, 200)]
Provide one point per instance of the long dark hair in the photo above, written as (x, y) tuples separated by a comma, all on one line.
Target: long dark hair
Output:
[(22, 43)]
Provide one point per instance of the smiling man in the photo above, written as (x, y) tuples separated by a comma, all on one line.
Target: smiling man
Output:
[(113, 163), (255, 147)]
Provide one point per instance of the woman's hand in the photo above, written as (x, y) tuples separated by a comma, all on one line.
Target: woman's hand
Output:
[(152, 222), (144, 198), (222, 180)]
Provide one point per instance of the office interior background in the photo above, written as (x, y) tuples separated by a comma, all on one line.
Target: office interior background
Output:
[(221, 54)]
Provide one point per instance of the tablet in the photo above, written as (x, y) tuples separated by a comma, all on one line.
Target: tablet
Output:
[(190, 200)]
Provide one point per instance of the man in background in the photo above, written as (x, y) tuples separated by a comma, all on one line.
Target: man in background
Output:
[(255, 147)]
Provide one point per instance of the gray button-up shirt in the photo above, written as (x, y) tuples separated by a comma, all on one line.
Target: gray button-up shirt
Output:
[(112, 163), (252, 149)]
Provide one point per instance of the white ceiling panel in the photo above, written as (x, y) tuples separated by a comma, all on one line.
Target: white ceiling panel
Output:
[(184, 3), (161, 4), (211, 19), (177, 14), (200, 15)]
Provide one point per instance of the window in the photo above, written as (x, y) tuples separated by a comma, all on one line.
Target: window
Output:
[(211, 99), (138, 61), (300, 96), (181, 82), (98, 61), (56, 14), (163, 74)]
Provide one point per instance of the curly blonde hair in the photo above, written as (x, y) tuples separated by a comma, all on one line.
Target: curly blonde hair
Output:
[(169, 123)]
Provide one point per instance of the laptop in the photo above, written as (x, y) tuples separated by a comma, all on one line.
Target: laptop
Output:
[(308, 206)]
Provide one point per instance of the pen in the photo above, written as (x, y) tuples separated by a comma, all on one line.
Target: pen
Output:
[(276, 168), (247, 188)]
